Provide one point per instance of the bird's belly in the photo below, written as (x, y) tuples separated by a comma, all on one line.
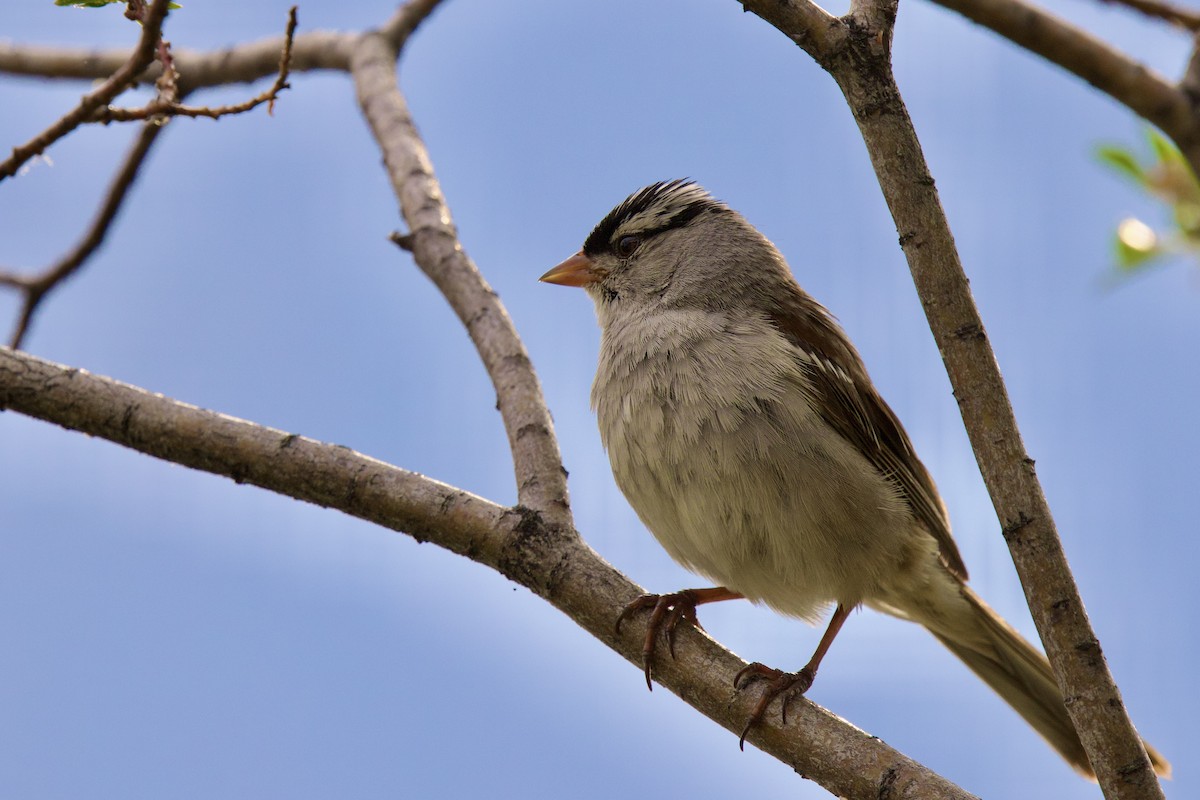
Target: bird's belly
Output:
[(780, 510)]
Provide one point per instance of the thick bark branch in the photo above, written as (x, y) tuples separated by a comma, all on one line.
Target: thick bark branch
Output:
[(1143, 91), (318, 473), (550, 560), (433, 240), (243, 63), (858, 58), (539, 551), (1184, 18), (534, 543)]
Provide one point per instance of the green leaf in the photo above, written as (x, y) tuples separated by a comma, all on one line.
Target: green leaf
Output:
[(1169, 179), (1172, 159), (1187, 219), (1123, 161), (1132, 259), (1135, 244), (1164, 150)]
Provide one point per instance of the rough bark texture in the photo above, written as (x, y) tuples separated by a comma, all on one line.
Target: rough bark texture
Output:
[(855, 50), (1142, 90), (550, 560), (541, 480), (534, 543)]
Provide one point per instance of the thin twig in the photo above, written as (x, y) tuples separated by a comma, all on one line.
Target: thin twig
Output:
[(35, 288), (167, 86), (860, 63), (120, 80), (169, 106)]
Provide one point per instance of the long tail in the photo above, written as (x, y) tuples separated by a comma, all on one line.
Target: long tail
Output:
[(1011, 666)]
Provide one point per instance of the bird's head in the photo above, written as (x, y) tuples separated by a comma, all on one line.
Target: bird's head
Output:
[(671, 244)]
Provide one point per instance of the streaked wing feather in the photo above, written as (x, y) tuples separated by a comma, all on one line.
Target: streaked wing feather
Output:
[(847, 400)]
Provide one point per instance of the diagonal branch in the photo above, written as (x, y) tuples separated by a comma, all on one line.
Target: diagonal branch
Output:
[(35, 288), (550, 560), (405, 20), (858, 58), (1189, 84), (1143, 91), (323, 474), (533, 543), (120, 80), (1180, 17), (433, 239)]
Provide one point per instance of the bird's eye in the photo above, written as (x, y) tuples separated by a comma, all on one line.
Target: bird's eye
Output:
[(627, 245)]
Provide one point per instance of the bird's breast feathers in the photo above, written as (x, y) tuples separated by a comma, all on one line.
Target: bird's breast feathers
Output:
[(691, 405)]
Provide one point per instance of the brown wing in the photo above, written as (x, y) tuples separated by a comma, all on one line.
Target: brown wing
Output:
[(847, 400)]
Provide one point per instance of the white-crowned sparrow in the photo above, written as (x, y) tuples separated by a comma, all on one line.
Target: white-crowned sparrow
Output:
[(742, 426)]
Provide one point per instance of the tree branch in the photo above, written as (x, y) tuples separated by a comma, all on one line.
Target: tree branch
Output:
[(407, 18), (318, 473), (124, 77), (243, 63), (551, 560), (171, 106), (1180, 17), (35, 288), (1189, 84), (158, 111), (541, 479), (1134, 85), (533, 543), (859, 60)]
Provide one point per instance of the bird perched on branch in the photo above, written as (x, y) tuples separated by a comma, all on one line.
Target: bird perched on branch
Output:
[(742, 427)]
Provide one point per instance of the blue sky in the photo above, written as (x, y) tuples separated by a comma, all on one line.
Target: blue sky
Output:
[(169, 634)]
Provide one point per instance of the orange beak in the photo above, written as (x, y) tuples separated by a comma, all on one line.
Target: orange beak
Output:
[(578, 270)]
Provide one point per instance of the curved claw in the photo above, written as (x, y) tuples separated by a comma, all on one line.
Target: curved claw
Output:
[(785, 685), (645, 601), (661, 607), (681, 610), (668, 609)]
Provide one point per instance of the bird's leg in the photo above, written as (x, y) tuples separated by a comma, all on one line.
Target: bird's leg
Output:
[(788, 684), (669, 609)]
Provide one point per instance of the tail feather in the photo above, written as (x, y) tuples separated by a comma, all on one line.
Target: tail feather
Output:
[(1018, 672), (1022, 676)]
